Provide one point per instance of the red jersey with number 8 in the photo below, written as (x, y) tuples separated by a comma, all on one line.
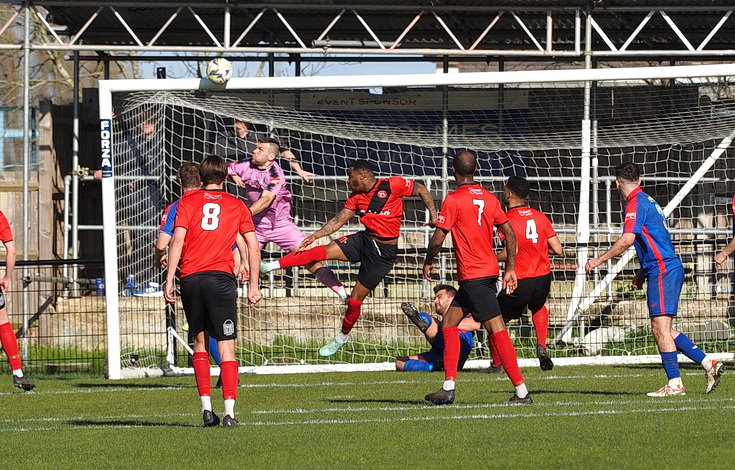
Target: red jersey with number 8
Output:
[(212, 219), (470, 213), (381, 208), (533, 230)]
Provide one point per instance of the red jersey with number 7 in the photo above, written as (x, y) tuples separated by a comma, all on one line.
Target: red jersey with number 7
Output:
[(533, 230), (470, 213), (212, 219)]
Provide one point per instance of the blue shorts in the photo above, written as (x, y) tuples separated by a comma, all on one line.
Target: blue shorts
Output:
[(664, 291), (436, 354)]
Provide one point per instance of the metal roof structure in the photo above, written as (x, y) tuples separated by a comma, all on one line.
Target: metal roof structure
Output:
[(700, 30)]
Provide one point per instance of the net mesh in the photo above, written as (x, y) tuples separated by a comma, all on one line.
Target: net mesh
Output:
[(668, 128)]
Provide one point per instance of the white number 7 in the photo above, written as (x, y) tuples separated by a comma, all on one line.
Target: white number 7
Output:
[(480, 203)]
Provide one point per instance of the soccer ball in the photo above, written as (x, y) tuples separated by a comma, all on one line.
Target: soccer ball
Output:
[(219, 70)]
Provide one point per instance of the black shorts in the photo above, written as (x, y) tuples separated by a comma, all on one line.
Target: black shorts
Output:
[(531, 293), (376, 259), (210, 303), (479, 296)]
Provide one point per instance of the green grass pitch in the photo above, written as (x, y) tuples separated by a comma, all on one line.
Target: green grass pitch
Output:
[(582, 417)]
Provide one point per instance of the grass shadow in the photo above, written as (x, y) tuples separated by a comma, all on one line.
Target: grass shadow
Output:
[(131, 423)]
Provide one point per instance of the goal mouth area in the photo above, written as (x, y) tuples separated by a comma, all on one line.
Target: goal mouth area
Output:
[(562, 131)]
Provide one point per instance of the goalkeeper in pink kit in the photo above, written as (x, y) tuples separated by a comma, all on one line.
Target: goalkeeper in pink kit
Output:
[(270, 203)]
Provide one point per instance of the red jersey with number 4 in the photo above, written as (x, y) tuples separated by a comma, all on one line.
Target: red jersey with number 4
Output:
[(381, 209), (212, 219), (470, 213), (533, 230), (6, 235)]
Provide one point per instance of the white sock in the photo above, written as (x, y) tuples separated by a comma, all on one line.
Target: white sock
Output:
[(343, 337), (521, 391), (342, 293), (707, 363), (273, 265), (206, 403), (676, 383), (448, 385), (18, 373), (230, 407)]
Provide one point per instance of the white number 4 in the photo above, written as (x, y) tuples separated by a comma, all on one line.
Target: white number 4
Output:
[(531, 231)]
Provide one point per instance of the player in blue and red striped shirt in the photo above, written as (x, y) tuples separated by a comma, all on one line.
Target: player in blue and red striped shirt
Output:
[(644, 227)]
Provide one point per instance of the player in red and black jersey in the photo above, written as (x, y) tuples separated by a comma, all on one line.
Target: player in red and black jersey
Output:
[(379, 204), (470, 212), (207, 225), (535, 239)]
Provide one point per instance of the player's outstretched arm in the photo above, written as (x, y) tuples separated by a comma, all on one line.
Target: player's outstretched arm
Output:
[(722, 256), (428, 200), (334, 224), (174, 256), (296, 166), (253, 254), (435, 245), (10, 254), (619, 247)]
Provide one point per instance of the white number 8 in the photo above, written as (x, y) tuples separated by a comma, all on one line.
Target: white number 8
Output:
[(210, 213)]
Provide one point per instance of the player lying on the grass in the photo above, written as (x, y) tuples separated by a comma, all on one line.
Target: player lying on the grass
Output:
[(431, 328), (8, 341), (535, 238), (379, 204), (644, 226)]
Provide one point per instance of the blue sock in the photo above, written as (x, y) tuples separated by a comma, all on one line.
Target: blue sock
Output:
[(671, 364), (689, 349), (213, 351), (414, 365)]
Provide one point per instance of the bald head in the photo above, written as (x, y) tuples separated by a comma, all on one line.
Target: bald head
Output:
[(465, 163)]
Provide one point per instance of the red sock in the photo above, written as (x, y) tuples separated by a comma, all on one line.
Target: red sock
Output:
[(201, 373), (508, 356), (228, 372), (451, 352), (10, 345), (541, 325), (493, 351), (351, 314), (302, 258)]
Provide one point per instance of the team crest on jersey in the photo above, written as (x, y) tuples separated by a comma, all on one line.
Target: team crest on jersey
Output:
[(382, 194), (212, 196), (630, 216), (228, 328)]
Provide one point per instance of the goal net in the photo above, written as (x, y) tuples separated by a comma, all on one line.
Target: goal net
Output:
[(562, 130)]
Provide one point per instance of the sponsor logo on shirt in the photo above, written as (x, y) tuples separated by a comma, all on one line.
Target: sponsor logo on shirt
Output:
[(475, 191), (525, 212), (440, 219), (630, 216), (212, 196), (274, 181)]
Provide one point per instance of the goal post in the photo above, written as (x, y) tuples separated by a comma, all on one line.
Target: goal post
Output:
[(561, 129)]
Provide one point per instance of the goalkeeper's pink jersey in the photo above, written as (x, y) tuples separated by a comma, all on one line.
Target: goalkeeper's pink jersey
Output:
[(256, 181)]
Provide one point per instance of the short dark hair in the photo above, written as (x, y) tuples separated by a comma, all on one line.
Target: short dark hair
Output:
[(272, 141), (213, 170), (361, 165), (628, 171), (518, 186), (465, 163), (450, 289), (189, 175)]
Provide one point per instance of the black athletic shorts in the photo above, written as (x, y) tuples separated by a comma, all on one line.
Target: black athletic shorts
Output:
[(531, 293), (210, 303), (376, 259), (479, 296)]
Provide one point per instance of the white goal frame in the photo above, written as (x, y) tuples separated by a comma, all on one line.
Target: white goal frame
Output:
[(587, 76)]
